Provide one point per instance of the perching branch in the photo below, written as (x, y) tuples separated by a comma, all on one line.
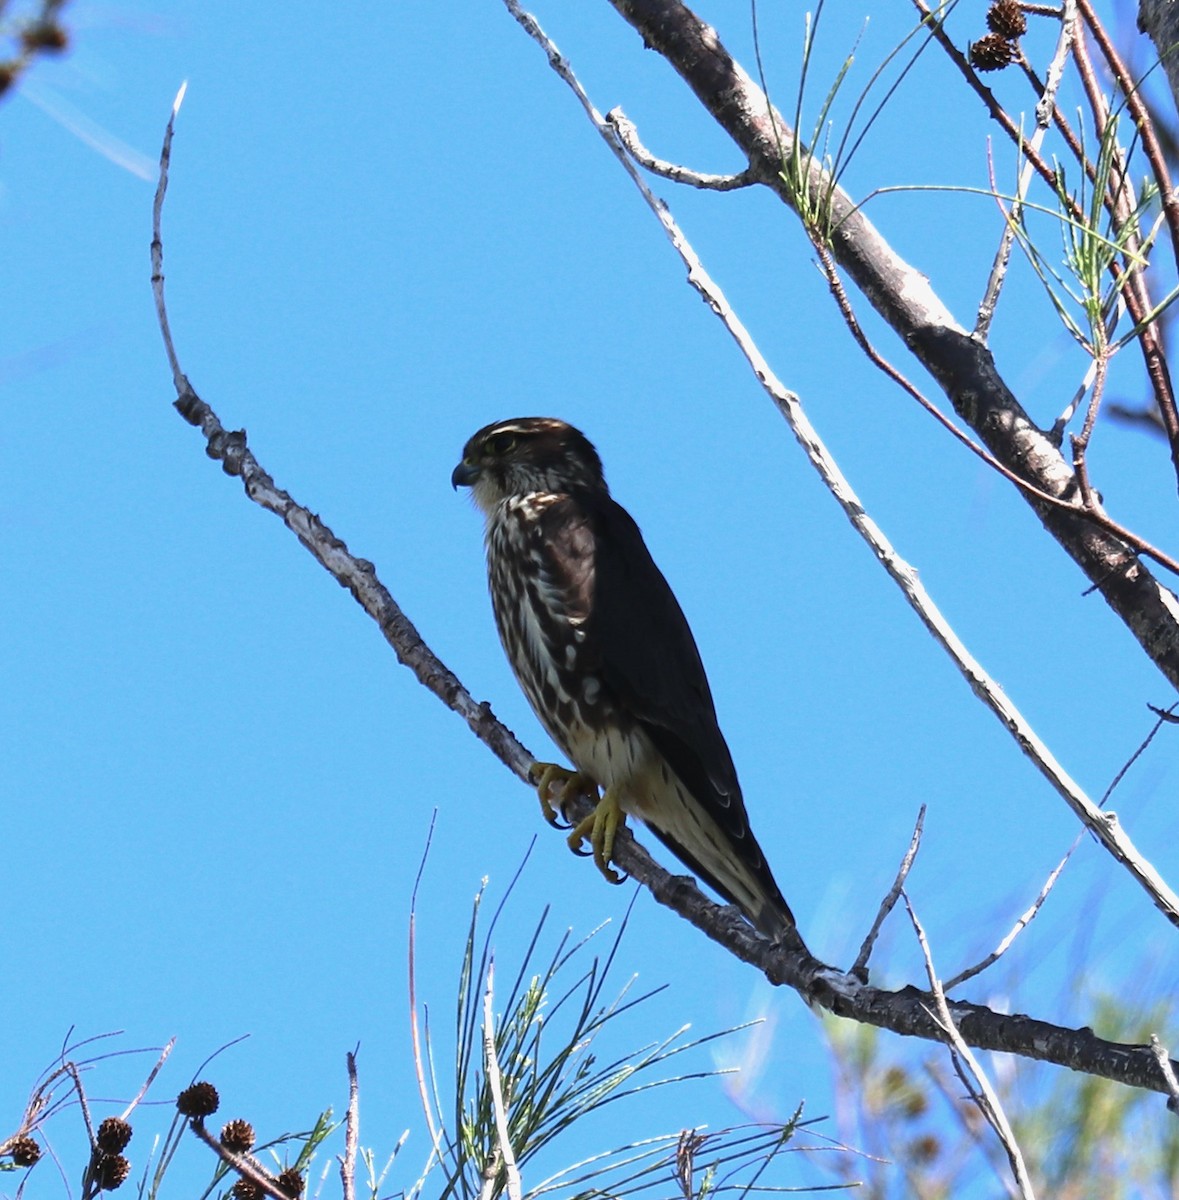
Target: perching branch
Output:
[(905, 1012)]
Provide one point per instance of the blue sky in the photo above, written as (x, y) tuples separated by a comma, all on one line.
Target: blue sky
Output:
[(385, 229)]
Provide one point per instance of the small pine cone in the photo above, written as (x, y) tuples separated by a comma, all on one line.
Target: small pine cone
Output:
[(113, 1135), (238, 1136), (24, 1150), (291, 1182), (199, 1100), (246, 1189), (991, 53), (44, 35), (110, 1170), (925, 1149), (1007, 19)]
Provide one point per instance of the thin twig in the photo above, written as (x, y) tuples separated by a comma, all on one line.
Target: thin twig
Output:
[(668, 170), (415, 1037), (1136, 292), (358, 575), (1142, 121), (1062, 126), (495, 1086), (969, 1070), (1020, 925), (157, 246), (1044, 114), (860, 967), (151, 1078), (1080, 441), (1056, 433), (1165, 717), (72, 1071), (351, 1131)]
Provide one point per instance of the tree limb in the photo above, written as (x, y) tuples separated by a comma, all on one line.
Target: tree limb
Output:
[(962, 366)]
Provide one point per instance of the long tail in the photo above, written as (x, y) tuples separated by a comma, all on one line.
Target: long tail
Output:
[(742, 878)]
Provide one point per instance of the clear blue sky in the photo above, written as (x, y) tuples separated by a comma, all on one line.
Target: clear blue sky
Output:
[(385, 228)]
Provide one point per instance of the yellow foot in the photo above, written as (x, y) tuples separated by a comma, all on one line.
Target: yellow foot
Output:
[(599, 829), (555, 785)]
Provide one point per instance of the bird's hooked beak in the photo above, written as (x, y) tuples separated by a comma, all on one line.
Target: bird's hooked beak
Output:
[(463, 475)]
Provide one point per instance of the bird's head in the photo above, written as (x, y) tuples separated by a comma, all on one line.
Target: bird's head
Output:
[(527, 454)]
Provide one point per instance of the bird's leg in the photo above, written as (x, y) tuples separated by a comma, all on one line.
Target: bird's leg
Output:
[(599, 829), (556, 783)]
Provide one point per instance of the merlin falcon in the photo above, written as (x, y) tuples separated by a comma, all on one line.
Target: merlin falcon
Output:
[(604, 654)]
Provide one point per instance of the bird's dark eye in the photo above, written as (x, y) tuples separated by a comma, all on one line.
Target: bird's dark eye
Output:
[(499, 444)]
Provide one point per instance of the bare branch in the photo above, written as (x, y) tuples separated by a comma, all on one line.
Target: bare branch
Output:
[(629, 137), (157, 246), (860, 967), (351, 1132), (969, 1071), (151, 1078), (1165, 717), (358, 575), (1020, 925)]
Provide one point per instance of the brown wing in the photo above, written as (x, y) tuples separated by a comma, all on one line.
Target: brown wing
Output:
[(647, 658)]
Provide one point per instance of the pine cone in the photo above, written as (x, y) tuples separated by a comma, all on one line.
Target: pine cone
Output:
[(24, 1150), (992, 53), (1007, 19), (246, 1189), (238, 1136), (44, 35), (291, 1182), (110, 1171), (199, 1100), (113, 1135)]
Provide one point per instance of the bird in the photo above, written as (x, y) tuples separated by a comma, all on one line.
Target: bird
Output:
[(607, 660)]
